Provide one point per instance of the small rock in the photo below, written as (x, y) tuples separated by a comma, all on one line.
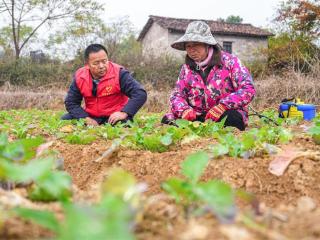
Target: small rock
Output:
[(306, 204), (195, 231), (43, 148), (67, 129), (11, 199), (235, 232)]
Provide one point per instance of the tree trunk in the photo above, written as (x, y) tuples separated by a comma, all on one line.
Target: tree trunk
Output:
[(17, 53), (14, 32)]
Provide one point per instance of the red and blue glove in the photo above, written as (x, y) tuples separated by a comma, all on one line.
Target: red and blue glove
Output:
[(189, 115), (216, 112)]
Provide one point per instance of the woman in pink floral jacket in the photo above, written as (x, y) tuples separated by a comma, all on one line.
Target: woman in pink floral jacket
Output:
[(212, 84)]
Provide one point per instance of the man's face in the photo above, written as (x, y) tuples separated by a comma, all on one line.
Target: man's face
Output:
[(98, 63)]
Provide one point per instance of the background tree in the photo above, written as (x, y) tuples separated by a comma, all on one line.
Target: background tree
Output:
[(231, 19), (295, 45), (26, 17), (234, 19), (301, 16), (117, 32), (76, 36)]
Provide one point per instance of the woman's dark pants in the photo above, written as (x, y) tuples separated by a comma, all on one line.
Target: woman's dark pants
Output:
[(234, 119)]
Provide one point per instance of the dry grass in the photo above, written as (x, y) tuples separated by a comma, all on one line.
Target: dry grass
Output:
[(158, 99), (270, 91), (18, 98)]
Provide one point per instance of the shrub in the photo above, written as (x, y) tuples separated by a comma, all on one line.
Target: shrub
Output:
[(27, 73), (292, 52)]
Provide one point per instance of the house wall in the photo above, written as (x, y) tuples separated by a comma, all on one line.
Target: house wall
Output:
[(246, 48), (158, 41), (155, 42)]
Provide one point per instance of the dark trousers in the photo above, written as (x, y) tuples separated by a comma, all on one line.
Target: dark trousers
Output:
[(99, 120), (234, 119)]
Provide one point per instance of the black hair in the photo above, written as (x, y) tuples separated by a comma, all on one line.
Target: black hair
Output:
[(93, 48)]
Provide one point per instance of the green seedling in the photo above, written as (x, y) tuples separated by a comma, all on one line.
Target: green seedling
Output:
[(253, 142), (18, 165), (112, 218), (194, 194), (315, 130)]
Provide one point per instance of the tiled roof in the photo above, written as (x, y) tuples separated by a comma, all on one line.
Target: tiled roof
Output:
[(217, 27)]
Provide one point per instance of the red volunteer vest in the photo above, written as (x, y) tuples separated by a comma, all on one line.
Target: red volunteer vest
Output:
[(109, 97)]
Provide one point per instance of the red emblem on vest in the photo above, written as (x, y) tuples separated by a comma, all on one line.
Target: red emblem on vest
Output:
[(108, 90)]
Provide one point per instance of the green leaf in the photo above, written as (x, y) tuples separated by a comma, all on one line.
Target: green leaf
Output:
[(166, 140), (53, 186), (30, 145), (315, 130), (14, 151), (285, 135), (33, 170), (219, 150), (3, 139), (118, 182), (179, 189), (316, 138), (220, 198), (182, 123), (153, 143), (194, 166), (44, 218), (110, 220), (189, 138), (248, 141), (23, 149)]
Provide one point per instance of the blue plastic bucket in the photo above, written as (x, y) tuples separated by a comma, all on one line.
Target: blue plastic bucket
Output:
[(308, 110), (284, 107)]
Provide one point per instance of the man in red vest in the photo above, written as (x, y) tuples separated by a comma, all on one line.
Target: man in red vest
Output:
[(109, 91)]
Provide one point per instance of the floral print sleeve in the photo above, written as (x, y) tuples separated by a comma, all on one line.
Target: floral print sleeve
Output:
[(242, 83), (178, 98)]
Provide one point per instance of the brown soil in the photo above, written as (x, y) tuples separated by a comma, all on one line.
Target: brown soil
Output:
[(284, 213)]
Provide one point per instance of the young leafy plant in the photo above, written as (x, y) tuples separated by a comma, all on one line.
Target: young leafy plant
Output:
[(80, 138), (252, 142), (193, 194), (315, 130), (112, 218), (18, 165)]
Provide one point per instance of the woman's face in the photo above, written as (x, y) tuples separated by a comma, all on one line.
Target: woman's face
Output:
[(197, 51)]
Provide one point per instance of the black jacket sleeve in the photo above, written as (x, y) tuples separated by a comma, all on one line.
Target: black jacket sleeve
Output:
[(73, 102), (134, 91)]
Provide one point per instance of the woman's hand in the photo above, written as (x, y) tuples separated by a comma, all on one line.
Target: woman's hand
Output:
[(216, 112), (189, 115)]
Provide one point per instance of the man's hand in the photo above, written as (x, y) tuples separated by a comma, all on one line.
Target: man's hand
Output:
[(117, 116), (91, 122)]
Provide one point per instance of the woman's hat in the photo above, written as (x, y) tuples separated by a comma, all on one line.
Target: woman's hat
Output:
[(197, 31)]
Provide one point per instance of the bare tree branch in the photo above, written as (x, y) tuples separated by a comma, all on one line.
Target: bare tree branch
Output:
[(7, 9), (26, 13), (32, 33)]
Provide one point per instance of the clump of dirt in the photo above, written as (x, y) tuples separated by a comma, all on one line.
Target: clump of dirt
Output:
[(79, 162), (15, 228)]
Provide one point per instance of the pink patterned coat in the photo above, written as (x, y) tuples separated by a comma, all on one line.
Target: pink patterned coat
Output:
[(229, 84)]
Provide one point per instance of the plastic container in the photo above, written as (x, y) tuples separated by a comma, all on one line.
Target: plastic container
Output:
[(307, 111)]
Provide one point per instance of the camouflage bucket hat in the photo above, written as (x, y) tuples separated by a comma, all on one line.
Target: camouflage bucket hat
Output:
[(197, 31)]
